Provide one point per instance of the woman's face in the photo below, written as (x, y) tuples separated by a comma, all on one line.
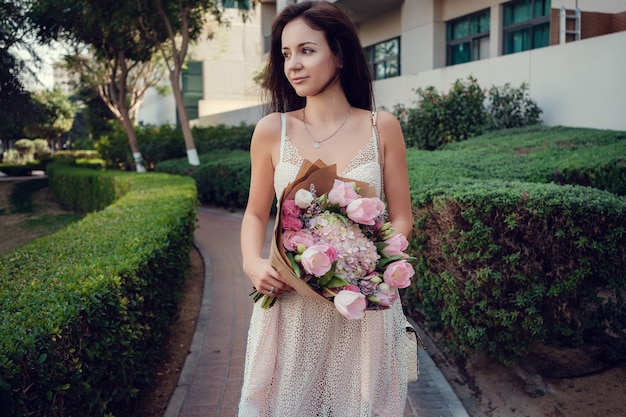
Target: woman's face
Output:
[(309, 62)]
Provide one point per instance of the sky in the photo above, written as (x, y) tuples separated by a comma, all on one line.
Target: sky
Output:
[(48, 55)]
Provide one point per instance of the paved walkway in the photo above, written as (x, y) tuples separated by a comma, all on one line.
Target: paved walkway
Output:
[(211, 378)]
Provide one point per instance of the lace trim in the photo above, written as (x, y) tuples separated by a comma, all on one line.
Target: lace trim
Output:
[(291, 155), (365, 155)]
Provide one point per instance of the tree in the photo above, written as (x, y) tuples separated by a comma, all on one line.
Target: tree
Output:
[(56, 117), (121, 84), (15, 102), (170, 26), (109, 53)]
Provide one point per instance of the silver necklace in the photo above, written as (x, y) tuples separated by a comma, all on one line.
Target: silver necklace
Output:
[(317, 143)]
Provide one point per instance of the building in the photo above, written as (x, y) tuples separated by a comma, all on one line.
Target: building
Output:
[(219, 75), (571, 53)]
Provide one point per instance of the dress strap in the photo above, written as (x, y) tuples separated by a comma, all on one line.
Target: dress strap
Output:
[(377, 148), (283, 135)]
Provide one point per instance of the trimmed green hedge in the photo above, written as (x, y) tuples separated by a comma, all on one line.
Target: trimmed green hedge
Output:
[(223, 177), (504, 266), (84, 310), (535, 154)]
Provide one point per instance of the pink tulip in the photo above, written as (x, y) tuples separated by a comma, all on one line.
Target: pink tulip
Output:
[(292, 239), (316, 259), (342, 193), (398, 274), (386, 299), (396, 245), (365, 210), (350, 304)]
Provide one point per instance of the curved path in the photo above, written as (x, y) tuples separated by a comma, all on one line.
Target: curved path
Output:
[(211, 378)]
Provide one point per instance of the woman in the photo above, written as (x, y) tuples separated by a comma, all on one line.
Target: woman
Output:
[(303, 358)]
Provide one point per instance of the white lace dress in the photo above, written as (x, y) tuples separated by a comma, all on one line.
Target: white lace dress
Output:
[(304, 359)]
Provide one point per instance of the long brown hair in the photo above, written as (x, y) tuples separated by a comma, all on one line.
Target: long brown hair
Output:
[(343, 41)]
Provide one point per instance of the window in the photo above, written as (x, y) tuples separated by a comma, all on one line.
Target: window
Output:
[(526, 25), (467, 38), (232, 4), (384, 59), (193, 89)]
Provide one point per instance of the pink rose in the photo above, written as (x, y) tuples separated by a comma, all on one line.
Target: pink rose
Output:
[(398, 274), (350, 304), (290, 213), (316, 259), (291, 239), (343, 193), (365, 210), (396, 245)]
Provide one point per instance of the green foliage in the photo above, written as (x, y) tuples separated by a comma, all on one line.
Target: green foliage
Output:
[(84, 310), (82, 191), (222, 179), (21, 196), (535, 154), (508, 265), (512, 250), (510, 107), (25, 149), (464, 112), (56, 115), (162, 143)]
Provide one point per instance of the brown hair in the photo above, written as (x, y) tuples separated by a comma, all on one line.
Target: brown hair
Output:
[(343, 41)]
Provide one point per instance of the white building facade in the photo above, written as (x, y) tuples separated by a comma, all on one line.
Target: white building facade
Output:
[(571, 53)]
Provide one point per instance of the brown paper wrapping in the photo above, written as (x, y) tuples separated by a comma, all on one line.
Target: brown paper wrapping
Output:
[(323, 177)]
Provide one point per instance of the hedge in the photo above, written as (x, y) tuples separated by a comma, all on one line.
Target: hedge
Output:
[(504, 266), (223, 177), (84, 310)]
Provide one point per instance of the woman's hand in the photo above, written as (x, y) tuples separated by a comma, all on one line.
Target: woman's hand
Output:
[(266, 279)]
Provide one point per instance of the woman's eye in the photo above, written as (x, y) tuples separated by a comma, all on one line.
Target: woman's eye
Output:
[(307, 51), (286, 55)]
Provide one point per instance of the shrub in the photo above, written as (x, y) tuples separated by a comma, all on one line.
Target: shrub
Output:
[(511, 107), (162, 143), (84, 310), (21, 196), (222, 179), (440, 119), (25, 149), (504, 266)]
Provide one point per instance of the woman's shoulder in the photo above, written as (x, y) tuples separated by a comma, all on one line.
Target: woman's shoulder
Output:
[(269, 123), (389, 130), (386, 119), (267, 129)]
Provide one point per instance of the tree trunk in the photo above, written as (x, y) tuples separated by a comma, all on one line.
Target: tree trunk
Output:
[(192, 153), (132, 141)]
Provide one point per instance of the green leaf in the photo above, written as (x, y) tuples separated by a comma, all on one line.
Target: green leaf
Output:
[(336, 282), (294, 264)]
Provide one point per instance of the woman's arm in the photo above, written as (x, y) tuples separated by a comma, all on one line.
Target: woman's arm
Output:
[(264, 151), (395, 173)]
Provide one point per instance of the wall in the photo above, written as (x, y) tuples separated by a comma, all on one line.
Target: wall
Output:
[(577, 84)]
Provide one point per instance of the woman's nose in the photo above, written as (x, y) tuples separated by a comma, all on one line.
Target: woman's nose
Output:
[(294, 63)]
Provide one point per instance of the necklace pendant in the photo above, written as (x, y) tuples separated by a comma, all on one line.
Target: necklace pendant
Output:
[(316, 145)]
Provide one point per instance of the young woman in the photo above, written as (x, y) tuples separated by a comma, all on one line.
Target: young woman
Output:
[(303, 358)]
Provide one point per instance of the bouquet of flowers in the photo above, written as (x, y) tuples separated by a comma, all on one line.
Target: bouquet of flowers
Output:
[(333, 242)]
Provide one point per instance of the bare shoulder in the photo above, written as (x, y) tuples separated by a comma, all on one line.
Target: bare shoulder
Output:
[(386, 120), (388, 128), (267, 129)]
